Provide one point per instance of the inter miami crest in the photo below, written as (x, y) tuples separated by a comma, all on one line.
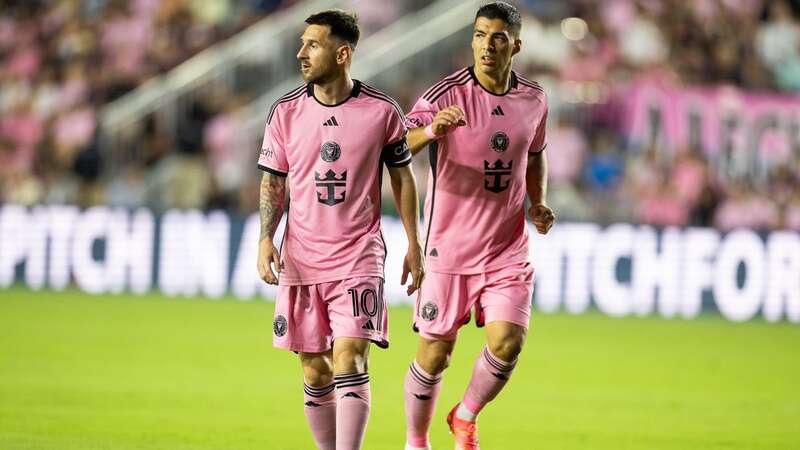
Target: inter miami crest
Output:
[(499, 142), (494, 174), (330, 151), (279, 326), (429, 311), (330, 182)]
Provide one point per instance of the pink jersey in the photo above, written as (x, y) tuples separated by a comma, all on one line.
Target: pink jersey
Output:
[(333, 156), (475, 207)]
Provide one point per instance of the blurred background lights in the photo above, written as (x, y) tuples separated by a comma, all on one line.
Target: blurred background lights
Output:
[(574, 28)]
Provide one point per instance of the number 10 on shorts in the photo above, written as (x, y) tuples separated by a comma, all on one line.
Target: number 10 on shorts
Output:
[(368, 302)]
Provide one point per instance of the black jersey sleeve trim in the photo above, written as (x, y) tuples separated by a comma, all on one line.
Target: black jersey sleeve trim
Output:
[(272, 171), (536, 152)]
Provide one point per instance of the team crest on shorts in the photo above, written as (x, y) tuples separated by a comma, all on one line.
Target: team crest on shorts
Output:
[(429, 311), (500, 142), (330, 151), (279, 326)]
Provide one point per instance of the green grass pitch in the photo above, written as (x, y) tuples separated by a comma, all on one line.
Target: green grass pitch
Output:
[(126, 372)]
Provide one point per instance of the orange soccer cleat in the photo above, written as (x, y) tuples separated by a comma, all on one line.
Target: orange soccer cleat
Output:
[(464, 432)]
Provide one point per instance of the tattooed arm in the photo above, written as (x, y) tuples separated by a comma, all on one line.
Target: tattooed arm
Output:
[(273, 190)]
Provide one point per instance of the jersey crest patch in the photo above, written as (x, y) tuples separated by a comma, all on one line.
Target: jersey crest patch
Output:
[(330, 151), (500, 142), (429, 311), (279, 326)]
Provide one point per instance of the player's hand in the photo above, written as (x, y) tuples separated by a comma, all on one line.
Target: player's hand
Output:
[(542, 217), (268, 256), (447, 120), (415, 265)]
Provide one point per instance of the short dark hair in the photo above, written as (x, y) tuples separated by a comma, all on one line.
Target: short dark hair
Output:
[(504, 11), (343, 24)]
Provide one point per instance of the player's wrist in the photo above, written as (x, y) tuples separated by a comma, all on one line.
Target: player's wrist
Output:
[(429, 132)]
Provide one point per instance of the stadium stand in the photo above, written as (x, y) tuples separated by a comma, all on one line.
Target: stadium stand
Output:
[(64, 62)]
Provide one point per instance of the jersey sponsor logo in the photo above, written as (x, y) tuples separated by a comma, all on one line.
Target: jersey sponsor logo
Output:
[(498, 111), (330, 151), (279, 325), (429, 311), (495, 173), (267, 152), (330, 183), (499, 142), (331, 122), (414, 122)]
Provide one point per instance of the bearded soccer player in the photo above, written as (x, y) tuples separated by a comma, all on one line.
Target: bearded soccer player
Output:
[(330, 139), (485, 127)]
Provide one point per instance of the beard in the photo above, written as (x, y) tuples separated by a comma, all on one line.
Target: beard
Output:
[(319, 75)]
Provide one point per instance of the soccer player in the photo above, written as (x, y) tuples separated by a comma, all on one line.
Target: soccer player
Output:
[(485, 127), (330, 139)]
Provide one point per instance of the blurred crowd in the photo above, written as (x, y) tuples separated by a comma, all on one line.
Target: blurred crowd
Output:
[(63, 60), (590, 57)]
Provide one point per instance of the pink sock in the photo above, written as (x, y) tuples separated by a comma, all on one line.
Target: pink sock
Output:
[(352, 410), (489, 376), (320, 409), (422, 391)]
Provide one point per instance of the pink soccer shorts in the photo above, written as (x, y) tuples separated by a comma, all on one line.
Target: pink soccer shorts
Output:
[(444, 302), (309, 318)]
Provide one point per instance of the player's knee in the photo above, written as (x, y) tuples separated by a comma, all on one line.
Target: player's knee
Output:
[(434, 356), (317, 372), (434, 362), (508, 347), (350, 361), (317, 378)]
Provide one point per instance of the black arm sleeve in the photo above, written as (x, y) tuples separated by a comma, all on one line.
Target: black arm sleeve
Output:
[(396, 154)]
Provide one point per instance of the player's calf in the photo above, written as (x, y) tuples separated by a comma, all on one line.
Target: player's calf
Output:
[(319, 398), (422, 387), (352, 391), (493, 368)]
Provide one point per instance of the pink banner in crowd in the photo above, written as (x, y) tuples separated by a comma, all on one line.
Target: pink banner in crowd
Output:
[(718, 119)]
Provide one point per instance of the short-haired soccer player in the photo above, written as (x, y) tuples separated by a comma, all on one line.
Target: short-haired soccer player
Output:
[(485, 127), (330, 139)]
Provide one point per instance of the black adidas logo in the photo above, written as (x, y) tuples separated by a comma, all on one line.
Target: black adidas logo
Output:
[(498, 111), (368, 326), (331, 122), (433, 252)]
